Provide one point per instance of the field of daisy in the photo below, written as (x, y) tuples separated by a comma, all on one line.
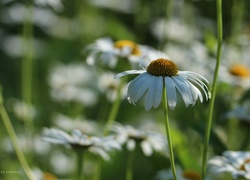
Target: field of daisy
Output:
[(125, 90)]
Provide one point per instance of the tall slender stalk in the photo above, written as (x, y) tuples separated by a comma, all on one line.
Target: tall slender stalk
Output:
[(168, 133), (129, 172), (214, 87), (79, 165), (27, 68), (13, 138), (115, 107)]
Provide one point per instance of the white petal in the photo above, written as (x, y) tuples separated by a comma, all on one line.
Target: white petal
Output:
[(158, 92), (184, 90), (131, 145), (149, 99), (171, 92), (139, 87), (146, 148), (129, 72)]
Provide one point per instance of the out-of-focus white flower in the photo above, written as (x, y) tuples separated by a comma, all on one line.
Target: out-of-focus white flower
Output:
[(110, 86), (161, 71), (96, 145), (127, 6), (36, 145), (68, 124), (22, 110), (235, 67), (148, 141), (106, 51), (17, 14), (241, 112), (67, 164), (181, 175), (72, 83), (15, 46), (235, 163), (173, 29), (40, 175), (55, 4)]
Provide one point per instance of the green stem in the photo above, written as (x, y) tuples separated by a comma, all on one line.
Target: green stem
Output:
[(129, 172), (168, 133), (115, 108), (79, 165), (13, 138), (27, 69), (214, 87)]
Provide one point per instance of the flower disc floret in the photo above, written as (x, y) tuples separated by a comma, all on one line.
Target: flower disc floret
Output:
[(239, 70), (127, 43), (162, 67)]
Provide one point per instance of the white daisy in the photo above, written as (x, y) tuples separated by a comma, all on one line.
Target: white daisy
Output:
[(110, 86), (241, 112), (79, 141), (106, 51), (149, 141), (163, 71), (72, 83), (180, 173), (235, 66), (236, 163)]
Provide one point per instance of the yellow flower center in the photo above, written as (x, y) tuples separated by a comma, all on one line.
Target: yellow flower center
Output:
[(191, 175), (239, 70), (49, 176), (162, 67), (242, 167), (126, 43)]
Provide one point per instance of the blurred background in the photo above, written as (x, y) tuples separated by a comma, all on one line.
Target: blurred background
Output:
[(42, 53)]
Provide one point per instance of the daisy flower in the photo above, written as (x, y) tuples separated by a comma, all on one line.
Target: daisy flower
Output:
[(236, 68), (181, 175), (79, 141), (241, 112), (149, 141), (163, 72), (235, 163), (107, 52)]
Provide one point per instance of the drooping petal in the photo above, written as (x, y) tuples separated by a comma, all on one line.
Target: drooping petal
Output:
[(171, 92), (129, 72), (138, 87), (149, 99), (158, 92), (184, 90), (146, 148)]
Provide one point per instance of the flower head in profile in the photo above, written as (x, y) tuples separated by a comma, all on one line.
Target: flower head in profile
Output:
[(234, 163), (147, 140), (160, 72), (79, 141), (180, 173), (106, 51)]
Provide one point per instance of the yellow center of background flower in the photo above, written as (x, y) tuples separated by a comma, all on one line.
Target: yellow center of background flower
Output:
[(242, 167), (162, 67), (123, 43), (239, 70), (191, 175)]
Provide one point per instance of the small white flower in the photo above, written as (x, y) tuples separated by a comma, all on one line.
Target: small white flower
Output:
[(106, 51), (162, 71), (79, 141), (72, 83), (241, 112), (148, 141), (68, 124), (181, 175), (235, 67), (237, 163), (110, 86), (22, 110)]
